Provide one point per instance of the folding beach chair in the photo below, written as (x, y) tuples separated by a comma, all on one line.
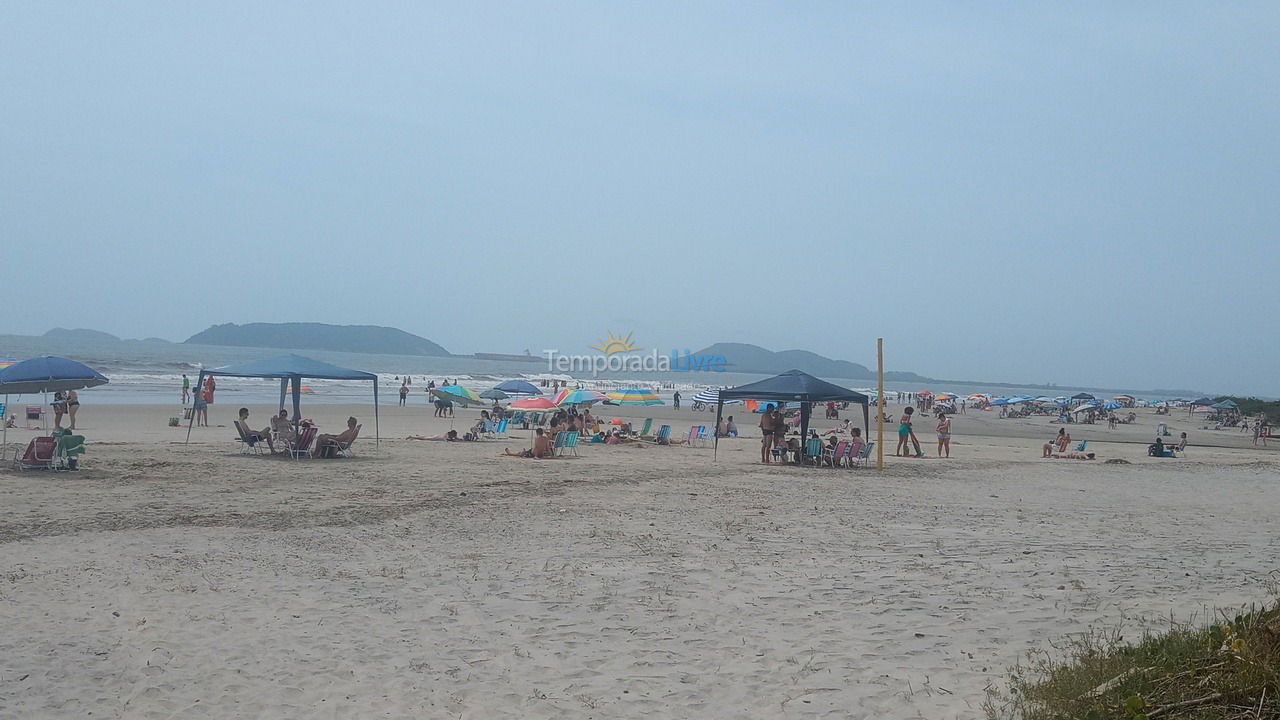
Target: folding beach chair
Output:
[(571, 443), (813, 450), (68, 449), (833, 456), (864, 457), (39, 455), (693, 435), (302, 445), (343, 450), (35, 417), (648, 425), (704, 435), (247, 442)]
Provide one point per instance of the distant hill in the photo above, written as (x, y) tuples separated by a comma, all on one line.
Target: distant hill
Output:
[(746, 358), (318, 336), (80, 336)]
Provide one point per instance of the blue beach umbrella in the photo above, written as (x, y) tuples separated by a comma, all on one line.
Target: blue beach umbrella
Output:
[(45, 375), (518, 387)]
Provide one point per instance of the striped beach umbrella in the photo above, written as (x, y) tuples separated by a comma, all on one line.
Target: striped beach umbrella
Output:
[(634, 396), (711, 397), (579, 397), (458, 394)]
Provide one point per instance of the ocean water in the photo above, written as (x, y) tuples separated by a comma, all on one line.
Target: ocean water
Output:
[(151, 373)]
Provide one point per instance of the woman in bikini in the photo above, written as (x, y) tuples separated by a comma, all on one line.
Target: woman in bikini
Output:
[(944, 435)]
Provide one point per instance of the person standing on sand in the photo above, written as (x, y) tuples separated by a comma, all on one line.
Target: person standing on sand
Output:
[(944, 436), (675, 400), (186, 388), (766, 433), (905, 434), (404, 392), (209, 387)]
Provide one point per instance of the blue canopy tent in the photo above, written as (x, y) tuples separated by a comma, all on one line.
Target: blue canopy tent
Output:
[(291, 369), (794, 386), (45, 375)]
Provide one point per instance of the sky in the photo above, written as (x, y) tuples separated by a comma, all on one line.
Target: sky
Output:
[(1081, 194)]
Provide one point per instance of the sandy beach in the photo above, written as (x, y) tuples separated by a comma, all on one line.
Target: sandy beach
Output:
[(444, 580)]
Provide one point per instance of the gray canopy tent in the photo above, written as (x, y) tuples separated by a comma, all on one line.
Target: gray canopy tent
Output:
[(794, 386), (291, 369)]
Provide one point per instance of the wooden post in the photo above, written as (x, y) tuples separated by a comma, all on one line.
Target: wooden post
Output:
[(880, 404)]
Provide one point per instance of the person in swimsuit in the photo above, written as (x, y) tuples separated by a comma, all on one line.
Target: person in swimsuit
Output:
[(944, 436), (59, 408), (404, 393), (73, 404), (186, 388), (263, 435), (766, 432), (904, 433)]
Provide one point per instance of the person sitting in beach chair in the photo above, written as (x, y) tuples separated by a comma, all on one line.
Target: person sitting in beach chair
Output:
[(326, 444), (252, 436), (282, 428), (1160, 450)]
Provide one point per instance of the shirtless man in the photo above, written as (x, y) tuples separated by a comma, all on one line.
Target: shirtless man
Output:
[(342, 439), (541, 447), (766, 432), (255, 436)]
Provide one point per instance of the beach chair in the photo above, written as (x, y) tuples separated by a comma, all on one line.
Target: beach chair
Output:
[(703, 436), (68, 449), (35, 416), (864, 457), (567, 440), (648, 425), (302, 446), (833, 456), (39, 455), (813, 450), (1080, 447), (693, 435), (571, 443), (246, 442), (501, 430), (341, 450)]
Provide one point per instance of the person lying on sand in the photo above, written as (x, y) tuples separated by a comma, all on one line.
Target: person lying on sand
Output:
[(1073, 455), (451, 436)]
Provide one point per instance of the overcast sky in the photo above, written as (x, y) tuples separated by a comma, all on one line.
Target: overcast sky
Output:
[(1088, 194)]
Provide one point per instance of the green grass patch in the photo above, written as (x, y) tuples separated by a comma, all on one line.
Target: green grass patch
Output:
[(1229, 668)]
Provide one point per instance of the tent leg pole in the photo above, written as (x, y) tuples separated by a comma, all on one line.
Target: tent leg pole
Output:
[(715, 452), (879, 404)]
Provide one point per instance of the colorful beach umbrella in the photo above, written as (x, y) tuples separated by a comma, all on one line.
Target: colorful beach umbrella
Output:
[(494, 394), (458, 394), (579, 397), (533, 404), (634, 396)]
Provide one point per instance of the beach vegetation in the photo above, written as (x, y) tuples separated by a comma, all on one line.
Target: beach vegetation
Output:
[(1227, 669)]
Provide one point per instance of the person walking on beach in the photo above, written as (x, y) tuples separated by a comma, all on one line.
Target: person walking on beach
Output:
[(186, 388), (404, 392), (944, 435), (905, 433), (675, 400)]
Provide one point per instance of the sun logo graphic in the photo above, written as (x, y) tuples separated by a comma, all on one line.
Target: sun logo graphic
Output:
[(613, 345)]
